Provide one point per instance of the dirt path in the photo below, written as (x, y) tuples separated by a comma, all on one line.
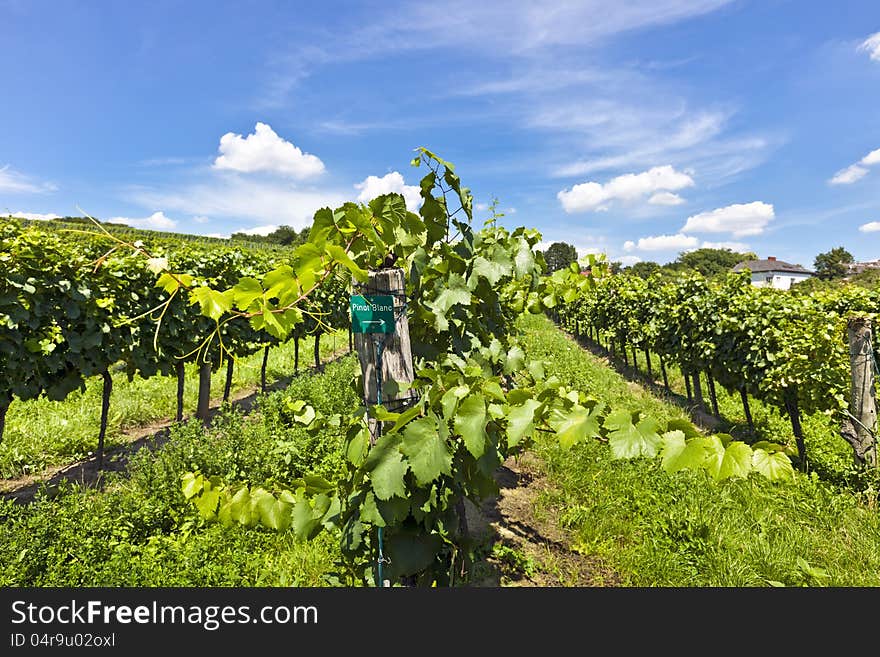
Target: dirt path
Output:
[(152, 436), (529, 549)]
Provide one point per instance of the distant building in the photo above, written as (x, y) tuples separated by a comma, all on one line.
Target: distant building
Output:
[(859, 267), (774, 273)]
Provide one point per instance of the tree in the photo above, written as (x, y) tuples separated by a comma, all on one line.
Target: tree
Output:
[(642, 269), (710, 262), (833, 264), (559, 255)]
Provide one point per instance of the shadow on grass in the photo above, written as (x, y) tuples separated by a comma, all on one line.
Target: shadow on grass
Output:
[(702, 417), (85, 472)]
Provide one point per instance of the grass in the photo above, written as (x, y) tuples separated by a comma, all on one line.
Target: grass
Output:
[(139, 531), (683, 530), (41, 433)]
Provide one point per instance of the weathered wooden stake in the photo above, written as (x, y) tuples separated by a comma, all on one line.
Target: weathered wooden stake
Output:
[(227, 388), (180, 369), (318, 352), (663, 371), (712, 396), (397, 364), (4, 406), (791, 407), (648, 359), (204, 406), (698, 391), (263, 368), (687, 385), (296, 354), (859, 430), (105, 410), (745, 401)]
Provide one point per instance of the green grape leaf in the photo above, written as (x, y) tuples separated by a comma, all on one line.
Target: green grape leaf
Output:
[(578, 423), (775, 465), (521, 421), (246, 291), (678, 453), (629, 441), (470, 424), (212, 303), (386, 467), (426, 451)]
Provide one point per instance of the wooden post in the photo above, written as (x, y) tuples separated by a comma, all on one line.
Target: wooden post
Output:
[(791, 407), (648, 359), (181, 379), (635, 361), (698, 391), (712, 396), (745, 401), (397, 364), (687, 385), (318, 352), (663, 371), (4, 406), (296, 354), (227, 388), (105, 410), (860, 426), (263, 368), (204, 407)]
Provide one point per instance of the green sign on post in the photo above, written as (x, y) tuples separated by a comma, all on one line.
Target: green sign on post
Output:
[(372, 314)]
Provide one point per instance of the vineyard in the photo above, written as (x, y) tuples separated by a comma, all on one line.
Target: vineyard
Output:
[(324, 484)]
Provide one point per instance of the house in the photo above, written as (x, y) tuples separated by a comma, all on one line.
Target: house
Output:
[(859, 267), (774, 273)]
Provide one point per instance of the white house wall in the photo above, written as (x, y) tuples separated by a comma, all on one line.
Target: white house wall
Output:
[(781, 280)]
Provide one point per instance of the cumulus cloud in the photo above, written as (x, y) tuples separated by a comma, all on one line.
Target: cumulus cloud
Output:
[(870, 227), (373, 186), (871, 45), (35, 216), (595, 196), (666, 198), (679, 241), (243, 199), (156, 221), (739, 219), (628, 260), (265, 151), (856, 171)]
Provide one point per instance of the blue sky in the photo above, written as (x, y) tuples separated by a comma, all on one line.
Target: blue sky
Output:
[(636, 128)]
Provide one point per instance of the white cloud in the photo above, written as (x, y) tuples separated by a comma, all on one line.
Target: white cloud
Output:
[(265, 151), (373, 186), (481, 207), (856, 171), (35, 216), (739, 219), (260, 230), (627, 260), (870, 227), (871, 45), (156, 221), (676, 242), (201, 219), (13, 182), (849, 175), (628, 187), (871, 158), (629, 245), (666, 198), (740, 247), (237, 198), (218, 235)]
